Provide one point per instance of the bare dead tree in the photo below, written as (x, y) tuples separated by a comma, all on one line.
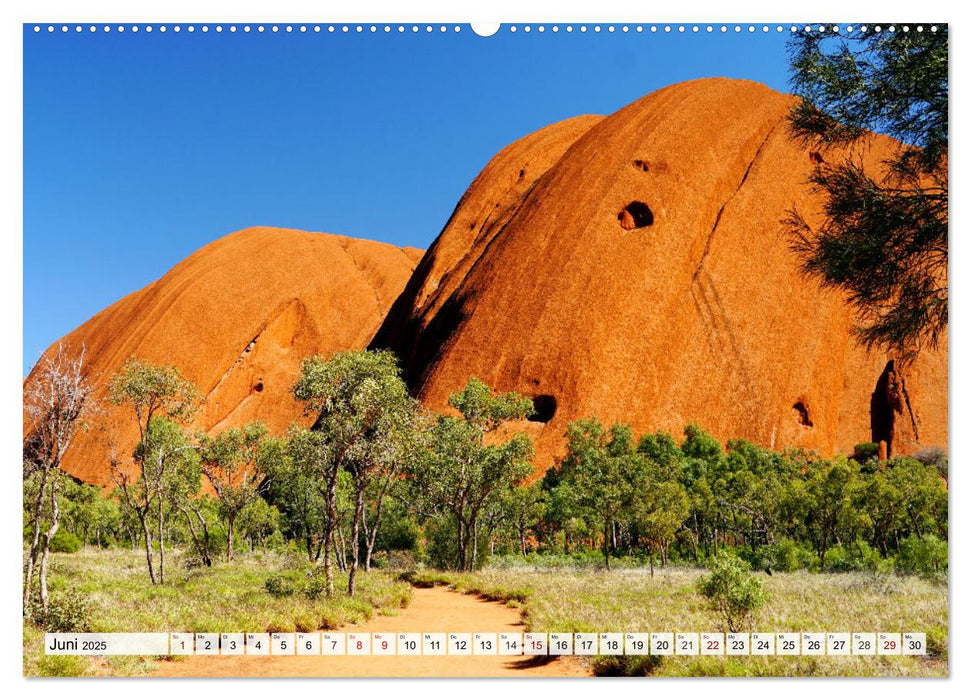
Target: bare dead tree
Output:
[(54, 401)]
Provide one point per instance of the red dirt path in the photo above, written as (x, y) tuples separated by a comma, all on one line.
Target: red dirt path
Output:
[(430, 610)]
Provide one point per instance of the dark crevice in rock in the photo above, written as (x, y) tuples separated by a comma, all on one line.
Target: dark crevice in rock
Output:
[(635, 215), (718, 216), (544, 408), (802, 414)]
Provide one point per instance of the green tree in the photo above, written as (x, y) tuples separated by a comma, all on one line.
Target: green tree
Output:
[(236, 462), (158, 397), (923, 497), (170, 475), (598, 474), (460, 475), (524, 506), (732, 591), (882, 240), (89, 514), (257, 521), (362, 408), (663, 509), (297, 486)]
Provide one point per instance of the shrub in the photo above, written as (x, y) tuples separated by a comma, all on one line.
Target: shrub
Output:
[(858, 556), (65, 542), (789, 556), (759, 559), (732, 591), (865, 450), (933, 457), (67, 611), (296, 582), (315, 587), (626, 665), (925, 557), (283, 585)]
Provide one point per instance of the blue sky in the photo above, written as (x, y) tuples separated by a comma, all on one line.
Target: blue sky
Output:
[(141, 148)]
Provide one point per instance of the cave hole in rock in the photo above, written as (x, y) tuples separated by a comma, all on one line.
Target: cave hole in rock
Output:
[(635, 215), (802, 414), (641, 165), (258, 386), (883, 402), (544, 408)]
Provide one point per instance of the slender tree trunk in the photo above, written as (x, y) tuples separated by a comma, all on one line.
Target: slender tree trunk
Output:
[(474, 528), (462, 542), (329, 534), (372, 536), (340, 548), (35, 542), (355, 541), (202, 544), (607, 545), (161, 543), (46, 547), (147, 532), (368, 541), (522, 542), (230, 520)]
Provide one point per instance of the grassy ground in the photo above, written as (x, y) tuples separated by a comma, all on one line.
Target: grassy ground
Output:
[(584, 600), (224, 598), (559, 599)]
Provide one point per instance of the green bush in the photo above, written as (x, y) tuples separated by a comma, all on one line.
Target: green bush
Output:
[(67, 611), (626, 665), (925, 557), (789, 556), (732, 591), (865, 450), (65, 542), (311, 584), (760, 559), (283, 585), (398, 534), (935, 457), (315, 586), (858, 556)]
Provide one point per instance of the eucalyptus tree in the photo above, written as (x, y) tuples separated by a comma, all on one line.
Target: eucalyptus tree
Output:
[(237, 462), (56, 396), (465, 468), (159, 398), (363, 417)]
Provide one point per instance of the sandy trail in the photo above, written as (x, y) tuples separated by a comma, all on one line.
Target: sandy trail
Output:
[(430, 610)]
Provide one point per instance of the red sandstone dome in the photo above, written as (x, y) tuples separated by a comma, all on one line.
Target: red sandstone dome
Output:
[(236, 318), (636, 268), (633, 267)]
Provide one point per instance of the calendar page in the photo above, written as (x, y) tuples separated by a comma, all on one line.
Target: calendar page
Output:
[(429, 349)]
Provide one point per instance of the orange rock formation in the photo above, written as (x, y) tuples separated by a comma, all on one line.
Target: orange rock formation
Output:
[(236, 318), (636, 268)]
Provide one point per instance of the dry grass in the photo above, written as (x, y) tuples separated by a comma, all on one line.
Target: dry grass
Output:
[(576, 600), (224, 598)]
